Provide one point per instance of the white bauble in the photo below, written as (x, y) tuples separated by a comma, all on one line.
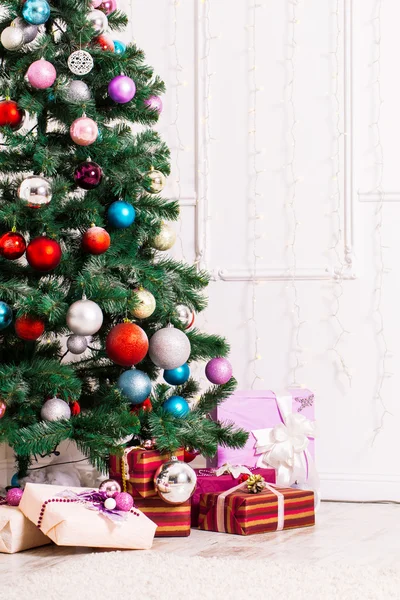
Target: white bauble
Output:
[(84, 317), (12, 38), (169, 348), (55, 409)]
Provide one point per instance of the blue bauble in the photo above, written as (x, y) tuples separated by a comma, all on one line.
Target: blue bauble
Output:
[(15, 480), (121, 214), (5, 315), (119, 47), (135, 385), (36, 12), (177, 376), (176, 406)]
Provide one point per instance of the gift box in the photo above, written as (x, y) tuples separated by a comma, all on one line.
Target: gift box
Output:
[(70, 518), (17, 533), (137, 468), (171, 521), (273, 509), (213, 481)]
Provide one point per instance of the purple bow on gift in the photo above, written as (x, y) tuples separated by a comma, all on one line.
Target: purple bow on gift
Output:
[(94, 500)]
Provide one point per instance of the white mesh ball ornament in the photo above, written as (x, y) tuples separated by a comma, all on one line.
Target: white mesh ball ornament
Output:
[(80, 62)]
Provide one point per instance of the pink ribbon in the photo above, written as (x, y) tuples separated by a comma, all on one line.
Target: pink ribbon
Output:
[(242, 486)]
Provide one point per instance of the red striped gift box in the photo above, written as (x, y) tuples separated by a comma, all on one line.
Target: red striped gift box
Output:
[(142, 465), (171, 521), (247, 514)]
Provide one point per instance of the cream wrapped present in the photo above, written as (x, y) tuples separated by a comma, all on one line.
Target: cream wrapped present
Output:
[(79, 517), (17, 532)]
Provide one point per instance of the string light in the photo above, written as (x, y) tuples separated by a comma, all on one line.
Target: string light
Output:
[(378, 292), (336, 197)]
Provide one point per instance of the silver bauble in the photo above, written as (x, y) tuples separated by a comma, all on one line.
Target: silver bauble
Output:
[(77, 344), (157, 181), (84, 317), (29, 31), (175, 481), (146, 306), (186, 316), (36, 191), (110, 487), (135, 385), (12, 38), (76, 91), (80, 62), (55, 409), (98, 20), (169, 348), (165, 239)]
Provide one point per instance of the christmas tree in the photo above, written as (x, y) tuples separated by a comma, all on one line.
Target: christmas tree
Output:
[(84, 235)]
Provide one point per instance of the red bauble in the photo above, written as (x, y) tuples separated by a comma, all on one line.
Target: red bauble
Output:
[(75, 408), (243, 477), (43, 253), (12, 245), (146, 406), (190, 454), (96, 240), (127, 344), (10, 114), (88, 175), (29, 328), (105, 42)]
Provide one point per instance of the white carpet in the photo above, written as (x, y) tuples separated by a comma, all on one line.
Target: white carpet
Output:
[(156, 576)]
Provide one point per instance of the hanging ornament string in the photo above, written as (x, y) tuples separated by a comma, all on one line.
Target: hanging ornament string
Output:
[(379, 285), (336, 199)]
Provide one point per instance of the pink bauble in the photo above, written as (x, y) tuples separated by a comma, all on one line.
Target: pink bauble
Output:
[(108, 6), (124, 501), (13, 496), (84, 131), (154, 103), (219, 370), (41, 74)]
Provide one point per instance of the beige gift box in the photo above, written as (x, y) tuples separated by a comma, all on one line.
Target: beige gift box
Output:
[(17, 533), (73, 524)]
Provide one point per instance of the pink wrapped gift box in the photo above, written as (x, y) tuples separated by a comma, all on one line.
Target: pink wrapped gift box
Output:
[(209, 482)]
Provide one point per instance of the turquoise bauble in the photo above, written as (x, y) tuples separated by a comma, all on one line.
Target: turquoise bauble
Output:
[(36, 12), (5, 315), (135, 385), (15, 481), (121, 214), (177, 376), (176, 406), (119, 47)]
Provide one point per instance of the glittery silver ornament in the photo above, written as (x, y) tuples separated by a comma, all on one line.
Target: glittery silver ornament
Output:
[(77, 344), (55, 409), (186, 316), (146, 306), (110, 487), (80, 62), (175, 481), (169, 348), (165, 239), (36, 191), (98, 20), (76, 91), (12, 38), (29, 32), (84, 317), (157, 181)]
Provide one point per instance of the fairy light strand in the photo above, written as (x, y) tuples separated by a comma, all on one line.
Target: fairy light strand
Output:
[(378, 291)]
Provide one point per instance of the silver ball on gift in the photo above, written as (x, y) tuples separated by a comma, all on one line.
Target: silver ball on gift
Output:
[(12, 38), (84, 317), (175, 481), (98, 20), (177, 376), (77, 344), (135, 385), (5, 315), (110, 487), (186, 316), (29, 32), (124, 501), (219, 370), (176, 406), (169, 348), (156, 181), (146, 304), (35, 191), (55, 409), (110, 503), (165, 239), (76, 92)]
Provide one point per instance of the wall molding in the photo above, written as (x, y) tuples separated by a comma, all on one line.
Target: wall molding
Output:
[(379, 197), (362, 487), (202, 234)]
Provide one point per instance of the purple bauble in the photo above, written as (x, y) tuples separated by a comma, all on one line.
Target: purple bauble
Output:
[(121, 89), (154, 103), (219, 370), (13, 496), (88, 175), (124, 501)]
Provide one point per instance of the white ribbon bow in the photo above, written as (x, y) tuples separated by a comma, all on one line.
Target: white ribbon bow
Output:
[(235, 470), (284, 447)]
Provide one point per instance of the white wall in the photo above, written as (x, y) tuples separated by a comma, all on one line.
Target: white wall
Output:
[(310, 289)]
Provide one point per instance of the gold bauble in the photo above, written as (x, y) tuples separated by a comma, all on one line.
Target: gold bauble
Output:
[(157, 181), (165, 239), (146, 305)]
